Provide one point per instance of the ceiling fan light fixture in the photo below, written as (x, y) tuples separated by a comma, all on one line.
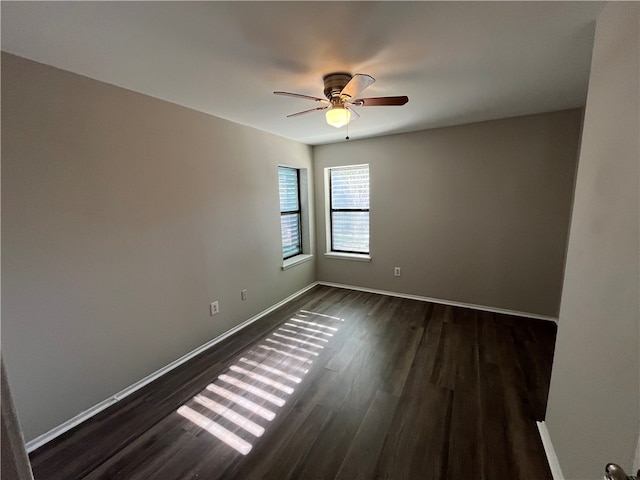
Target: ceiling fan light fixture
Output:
[(338, 116)]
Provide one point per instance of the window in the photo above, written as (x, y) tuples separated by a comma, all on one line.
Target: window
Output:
[(295, 220), (290, 218), (349, 209)]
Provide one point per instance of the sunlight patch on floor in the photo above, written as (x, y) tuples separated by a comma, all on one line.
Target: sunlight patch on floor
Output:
[(309, 329), (314, 324), (216, 430), (247, 389), (304, 335), (258, 392), (281, 352), (275, 371), (295, 347), (293, 339), (285, 362), (261, 378), (243, 402), (323, 315), (251, 427)]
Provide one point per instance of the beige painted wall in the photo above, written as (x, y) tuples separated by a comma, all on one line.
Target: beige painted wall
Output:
[(476, 213), (123, 218), (593, 410)]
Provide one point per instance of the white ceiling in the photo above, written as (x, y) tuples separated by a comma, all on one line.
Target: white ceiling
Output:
[(458, 62)]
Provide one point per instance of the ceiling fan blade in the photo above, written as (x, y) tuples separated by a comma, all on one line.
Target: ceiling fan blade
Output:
[(380, 101), (299, 95), (308, 111), (358, 83), (354, 114)]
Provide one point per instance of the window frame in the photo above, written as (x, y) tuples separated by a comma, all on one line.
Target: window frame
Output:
[(297, 212), (330, 210)]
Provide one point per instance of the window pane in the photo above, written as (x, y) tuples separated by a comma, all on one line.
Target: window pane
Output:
[(350, 188), (350, 231), (288, 181), (290, 224)]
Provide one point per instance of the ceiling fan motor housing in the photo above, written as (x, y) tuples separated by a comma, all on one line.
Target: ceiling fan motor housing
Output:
[(334, 83)]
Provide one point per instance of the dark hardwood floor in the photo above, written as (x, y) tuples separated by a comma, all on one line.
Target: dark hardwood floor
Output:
[(335, 384)]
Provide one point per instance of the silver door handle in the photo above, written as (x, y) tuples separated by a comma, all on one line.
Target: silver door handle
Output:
[(615, 472)]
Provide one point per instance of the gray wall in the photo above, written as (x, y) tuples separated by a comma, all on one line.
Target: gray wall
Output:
[(123, 218), (593, 409), (476, 213)]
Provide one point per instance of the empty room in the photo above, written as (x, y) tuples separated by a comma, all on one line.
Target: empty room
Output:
[(320, 240)]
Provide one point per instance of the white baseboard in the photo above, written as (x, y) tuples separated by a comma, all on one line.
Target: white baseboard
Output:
[(83, 416), (444, 302), (552, 459)]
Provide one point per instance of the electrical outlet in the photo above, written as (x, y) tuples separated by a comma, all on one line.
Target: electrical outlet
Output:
[(214, 308), (243, 294), (396, 271)]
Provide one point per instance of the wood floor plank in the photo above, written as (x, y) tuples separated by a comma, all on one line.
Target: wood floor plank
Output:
[(295, 454), (444, 368), (362, 457), (528, 457), (333, 442), (400, 364), (465, 435), (413, 447), (494, 443)]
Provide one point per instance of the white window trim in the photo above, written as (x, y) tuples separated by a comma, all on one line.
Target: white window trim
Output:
[(358, 257), (297, 260)]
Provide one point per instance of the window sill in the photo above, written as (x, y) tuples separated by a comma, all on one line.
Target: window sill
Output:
[(358, 257), (297, 260)]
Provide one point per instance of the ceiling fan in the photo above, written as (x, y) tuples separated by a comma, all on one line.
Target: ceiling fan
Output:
[(342, 90)]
